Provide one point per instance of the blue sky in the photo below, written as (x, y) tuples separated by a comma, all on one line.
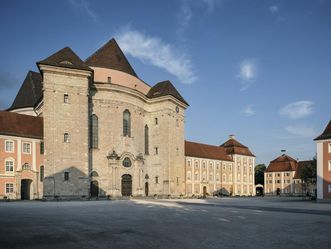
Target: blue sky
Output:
[(258, 69)]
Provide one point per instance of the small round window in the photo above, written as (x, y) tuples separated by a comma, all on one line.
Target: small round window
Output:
[(127, 162)]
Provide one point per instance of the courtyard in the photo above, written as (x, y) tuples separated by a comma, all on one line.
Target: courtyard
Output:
[(175, 223)]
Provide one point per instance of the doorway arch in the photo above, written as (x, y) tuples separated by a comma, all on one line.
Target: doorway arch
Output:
[(126, 185), (146, 188), (25, 189), (94, 189), (204, 190)]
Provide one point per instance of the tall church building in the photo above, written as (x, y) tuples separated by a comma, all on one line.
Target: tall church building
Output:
[(102, 131)]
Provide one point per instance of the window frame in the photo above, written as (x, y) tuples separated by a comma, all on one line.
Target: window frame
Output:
[(13, 166), (6, 188), (126, 123), (329, 165), (94, 131), (329, 147), (146, 139), (13, 146), (66, 176), (41, 173), (127, 163), (26, 143), (66, 137), (66, 99)]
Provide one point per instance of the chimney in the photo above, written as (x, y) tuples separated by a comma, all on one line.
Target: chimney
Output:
[(232, 136)]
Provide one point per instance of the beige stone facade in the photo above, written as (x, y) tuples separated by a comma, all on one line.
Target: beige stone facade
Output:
[(107, 133)]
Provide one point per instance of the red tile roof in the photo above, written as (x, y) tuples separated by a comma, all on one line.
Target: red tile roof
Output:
[(110, 56), (232, 146), (326, 133), (206, 151), (14, 124), (282, 163)]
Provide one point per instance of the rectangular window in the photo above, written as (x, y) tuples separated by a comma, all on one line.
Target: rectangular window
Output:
[(9, 188), (66, 176), (66, 137), (9, 166), (42, 148), (156, 121), (177, 181), (109, 79), (329, 188), (66, 98), (27, 148), (330, 148), (329, 166), (9, 146), (156, 179), (156, 150)]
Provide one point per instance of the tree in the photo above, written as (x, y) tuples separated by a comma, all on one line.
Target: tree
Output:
[(308, 172), (259, 173)]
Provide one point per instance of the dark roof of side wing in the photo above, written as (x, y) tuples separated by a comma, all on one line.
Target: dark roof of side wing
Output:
[(30, 92)]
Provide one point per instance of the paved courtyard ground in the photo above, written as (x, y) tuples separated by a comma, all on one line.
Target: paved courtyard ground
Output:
[(142, 223)]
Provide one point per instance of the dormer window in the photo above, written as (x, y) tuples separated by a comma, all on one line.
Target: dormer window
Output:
[(66, 63)]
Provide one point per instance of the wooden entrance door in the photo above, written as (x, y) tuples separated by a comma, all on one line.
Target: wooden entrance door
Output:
[(25, 189), (204, 190), (126, 185), (94, 189), (146, 189)]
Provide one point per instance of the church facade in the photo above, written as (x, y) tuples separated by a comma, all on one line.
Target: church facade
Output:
[(105, 132)]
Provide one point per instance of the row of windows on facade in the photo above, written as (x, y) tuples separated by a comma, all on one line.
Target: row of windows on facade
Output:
[(279, 174), (9, 168), (229, 166), (217, 178), (279, 181), (26, 147)]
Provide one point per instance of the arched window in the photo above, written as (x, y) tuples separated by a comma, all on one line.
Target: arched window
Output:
[(224, 178), (217, 177), (146, 140), (42, 173), (211, 177), (94, 130), (127, 162), (126, 123), (196, 176), (189, 175)]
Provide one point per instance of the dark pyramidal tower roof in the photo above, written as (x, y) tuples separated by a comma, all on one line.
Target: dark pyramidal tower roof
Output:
[(110, 56), (30, 92), (165, 88), (326, 133), (65, 58)]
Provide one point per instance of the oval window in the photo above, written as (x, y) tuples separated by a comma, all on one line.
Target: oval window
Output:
[(127, 162)]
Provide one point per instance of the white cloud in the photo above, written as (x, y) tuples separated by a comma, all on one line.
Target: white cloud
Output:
[(274, 9), (301, 130), (84, 5), (187, 11), (154, 51), (247, 72), (297, 110), (249, 111)]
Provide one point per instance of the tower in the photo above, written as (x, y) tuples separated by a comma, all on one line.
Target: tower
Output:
[(65, 111)]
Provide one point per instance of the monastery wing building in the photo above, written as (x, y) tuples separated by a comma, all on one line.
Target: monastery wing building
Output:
[(93, 128)]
